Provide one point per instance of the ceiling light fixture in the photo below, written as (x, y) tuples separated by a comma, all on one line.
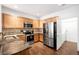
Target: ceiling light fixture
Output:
[(61, 4)]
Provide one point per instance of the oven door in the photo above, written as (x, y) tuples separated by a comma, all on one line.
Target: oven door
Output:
[(30, 38)]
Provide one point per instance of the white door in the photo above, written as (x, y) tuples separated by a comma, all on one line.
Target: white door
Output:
[(70, 29), (67, 30)]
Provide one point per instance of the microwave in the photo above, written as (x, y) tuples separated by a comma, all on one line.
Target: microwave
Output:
[(28, 25)]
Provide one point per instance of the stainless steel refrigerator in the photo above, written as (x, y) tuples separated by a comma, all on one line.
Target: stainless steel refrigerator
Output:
[(49, 34)]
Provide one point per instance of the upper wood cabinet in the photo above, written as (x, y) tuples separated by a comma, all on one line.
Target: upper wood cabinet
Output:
[(38, 23), (52, 19), (35, 23), (41, 23), (10, 21), (28, 20)]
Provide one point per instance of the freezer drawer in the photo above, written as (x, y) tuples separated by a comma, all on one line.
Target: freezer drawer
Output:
[(46, 41), (51, 42)]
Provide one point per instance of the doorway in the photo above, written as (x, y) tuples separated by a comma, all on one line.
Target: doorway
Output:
[(69, 29)]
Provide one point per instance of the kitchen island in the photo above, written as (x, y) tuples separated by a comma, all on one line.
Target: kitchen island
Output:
[(12, 44)]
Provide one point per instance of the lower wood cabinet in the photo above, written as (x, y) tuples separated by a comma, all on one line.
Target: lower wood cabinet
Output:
[(38, 37), (41, 37), (21, 37)]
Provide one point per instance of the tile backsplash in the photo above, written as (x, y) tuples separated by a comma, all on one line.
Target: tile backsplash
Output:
[(38, 30), (11, 31)]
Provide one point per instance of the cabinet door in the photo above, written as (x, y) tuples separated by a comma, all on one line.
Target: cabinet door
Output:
[(41, 23), (20, 22), (41, 37), (22, 37), (10, 21), (36, 39), (35, 24), (27, 20)]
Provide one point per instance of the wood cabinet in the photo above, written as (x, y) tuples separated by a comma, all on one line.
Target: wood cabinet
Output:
[(41, 23), (22, 37), (51, 19), (41, 37), (28, 20), (36, 38), (35, 23), (10, 21), (38, 23)]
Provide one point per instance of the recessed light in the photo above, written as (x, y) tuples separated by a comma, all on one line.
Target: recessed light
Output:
[(15, 6), (37, 14)]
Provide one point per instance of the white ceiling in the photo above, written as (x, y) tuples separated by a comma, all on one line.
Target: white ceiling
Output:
[(38, 10)]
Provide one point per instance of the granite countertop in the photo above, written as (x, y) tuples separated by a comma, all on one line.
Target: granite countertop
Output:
[(29, 34), (14, 50), (38, 33), (25, 47), (13, 35)]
